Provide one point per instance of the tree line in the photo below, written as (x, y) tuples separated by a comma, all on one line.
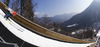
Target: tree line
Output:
[(23, 7)]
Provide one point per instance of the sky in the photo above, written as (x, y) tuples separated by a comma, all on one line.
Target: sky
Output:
[(58, 7)]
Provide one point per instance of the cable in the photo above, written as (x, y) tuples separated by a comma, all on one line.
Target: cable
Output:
[(22, 44)]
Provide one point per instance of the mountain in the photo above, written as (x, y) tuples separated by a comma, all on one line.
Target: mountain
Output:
[(86, 18), (62, 17), (58, 18)]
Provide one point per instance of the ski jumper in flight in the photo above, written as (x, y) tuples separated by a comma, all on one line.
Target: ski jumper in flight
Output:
[(10, 13)]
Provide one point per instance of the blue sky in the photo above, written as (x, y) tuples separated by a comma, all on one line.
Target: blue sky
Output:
[(57, 7)]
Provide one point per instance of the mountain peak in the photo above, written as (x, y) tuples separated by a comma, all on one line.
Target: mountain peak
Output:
[(87, 18)]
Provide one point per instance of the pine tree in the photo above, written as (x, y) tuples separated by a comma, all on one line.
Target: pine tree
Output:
[(15, 5), (27, 9), (6, 2)]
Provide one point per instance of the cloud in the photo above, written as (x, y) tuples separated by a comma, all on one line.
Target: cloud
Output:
[(36, 13)]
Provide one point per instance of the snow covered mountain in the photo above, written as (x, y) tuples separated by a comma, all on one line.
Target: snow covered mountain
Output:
[(87, 18), (62, 17)]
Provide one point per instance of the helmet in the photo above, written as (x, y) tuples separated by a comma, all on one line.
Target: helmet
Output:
[(15, 13)]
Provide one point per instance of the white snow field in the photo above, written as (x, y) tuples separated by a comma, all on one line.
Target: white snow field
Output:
[(33, 38)]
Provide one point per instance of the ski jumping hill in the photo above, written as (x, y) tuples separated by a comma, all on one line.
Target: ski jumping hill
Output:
[(36, 34)]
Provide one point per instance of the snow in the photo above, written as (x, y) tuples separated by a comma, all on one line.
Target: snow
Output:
[(72, 25), (59, 30), (33, 38), (98, 34), (73, 33)]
